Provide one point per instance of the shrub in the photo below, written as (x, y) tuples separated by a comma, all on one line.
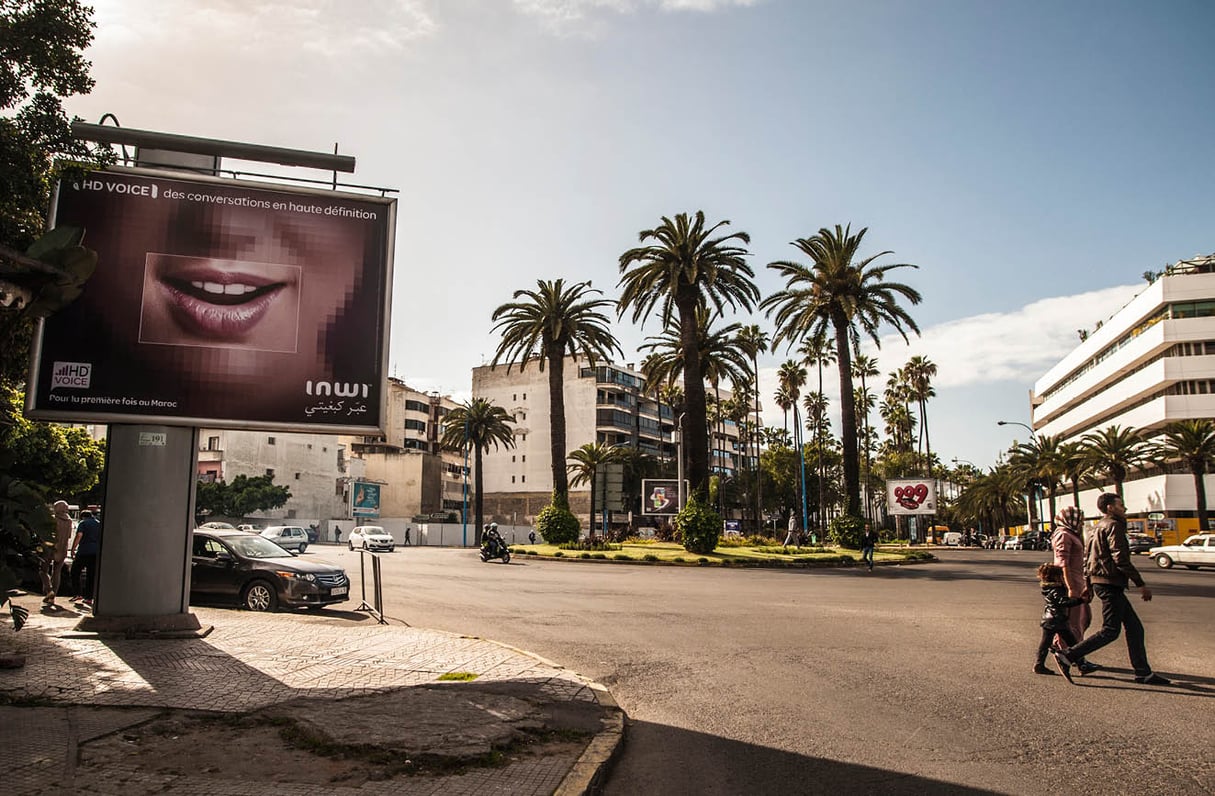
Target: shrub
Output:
[(623, 557), (557, 524), (589, 544), (558, 554), (585, 555), (649, 557), (597, 555), (845, 531), (699, 526), (679, 559), (702, 561)]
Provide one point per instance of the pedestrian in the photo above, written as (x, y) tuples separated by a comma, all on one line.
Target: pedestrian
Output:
[(792, 534), (85, 549), (531, 537), (407, 542), (55, 554), (869, 540), (1107, 569), (337, 534), (1067, 542), (1054, 615)]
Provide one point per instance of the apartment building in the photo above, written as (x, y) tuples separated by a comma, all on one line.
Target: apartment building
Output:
[(1150, 364), (604, 403), (416, 476)]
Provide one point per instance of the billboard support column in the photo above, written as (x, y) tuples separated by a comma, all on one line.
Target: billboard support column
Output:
[(143, 583)]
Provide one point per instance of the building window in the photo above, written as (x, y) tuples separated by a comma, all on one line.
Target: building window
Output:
[(513, 397), (212, 443), (269, 440), (512, 458), (524, 416), (297, 476), (525, 396), (523, 478), (512, 479), (270, 471), (525, 457)]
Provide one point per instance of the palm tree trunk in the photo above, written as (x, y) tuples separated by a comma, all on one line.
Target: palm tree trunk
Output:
[(592, 511), (852, 485), (696, 440), (1200, 494), (927, 441), (478, 505), (556, 412), (759, 481), (1076, 492)]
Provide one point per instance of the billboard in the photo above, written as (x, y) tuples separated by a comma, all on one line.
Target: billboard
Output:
[(911, 496), (365, 500), (660, 496), (220, 303)]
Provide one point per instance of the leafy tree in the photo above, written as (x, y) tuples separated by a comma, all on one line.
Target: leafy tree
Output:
[(63, 462), (699, 526), (552, 321), (684, 269), (850, 298), (476, 426), (241, 496), (41, 60), (1192, 442), (586, 462)]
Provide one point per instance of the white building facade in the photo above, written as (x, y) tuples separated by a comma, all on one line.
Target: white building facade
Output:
[(1152, 363)]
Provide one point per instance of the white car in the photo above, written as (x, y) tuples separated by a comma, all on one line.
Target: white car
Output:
[(288, 537), (249, 528), (370, 537), (1197, 551)]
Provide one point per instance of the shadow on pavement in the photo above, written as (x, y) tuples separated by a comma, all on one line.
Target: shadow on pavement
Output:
[(662, 759)]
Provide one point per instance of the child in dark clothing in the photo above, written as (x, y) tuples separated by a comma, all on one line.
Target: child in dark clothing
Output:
[(1054, 616)]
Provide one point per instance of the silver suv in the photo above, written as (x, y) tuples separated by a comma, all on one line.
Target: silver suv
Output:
[(288, 537)]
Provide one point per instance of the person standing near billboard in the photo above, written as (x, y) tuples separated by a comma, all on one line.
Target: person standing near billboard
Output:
[(85, 549)]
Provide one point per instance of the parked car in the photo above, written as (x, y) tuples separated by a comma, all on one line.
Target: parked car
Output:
[(1196, 551), (218, 526), (238, 567), (1141, 542), (370, 537), (1014, 543), (288, 537)]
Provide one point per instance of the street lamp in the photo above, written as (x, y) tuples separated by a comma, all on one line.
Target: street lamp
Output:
[(1028, 512)]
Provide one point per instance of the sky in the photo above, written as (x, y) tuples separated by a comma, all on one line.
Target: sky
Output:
[(1031, 158)]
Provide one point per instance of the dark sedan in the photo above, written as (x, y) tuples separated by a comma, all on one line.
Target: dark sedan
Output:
[(1141, 542), (238, 567)]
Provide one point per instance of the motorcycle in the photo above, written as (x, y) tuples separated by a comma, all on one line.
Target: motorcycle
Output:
[(494, 546)]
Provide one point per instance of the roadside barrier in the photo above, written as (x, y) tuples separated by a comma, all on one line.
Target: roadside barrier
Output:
[(376, 607)]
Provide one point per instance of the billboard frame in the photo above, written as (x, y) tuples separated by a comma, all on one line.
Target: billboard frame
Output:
[(81, 415)]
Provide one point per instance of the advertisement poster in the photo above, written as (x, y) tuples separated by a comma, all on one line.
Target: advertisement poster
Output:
[(911, 496), (365, 500), (660, 496), (222, 304)]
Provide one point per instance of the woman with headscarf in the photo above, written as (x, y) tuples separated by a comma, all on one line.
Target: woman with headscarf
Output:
[(1067, 542)]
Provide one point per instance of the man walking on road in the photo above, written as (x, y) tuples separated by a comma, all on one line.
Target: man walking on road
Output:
[(869, 541), (1107, 569)]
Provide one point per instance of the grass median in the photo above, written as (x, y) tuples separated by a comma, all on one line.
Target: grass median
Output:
[(652, 552)]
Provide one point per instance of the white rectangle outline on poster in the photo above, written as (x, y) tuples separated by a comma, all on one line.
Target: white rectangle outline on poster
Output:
[(921, 499), (103, 416)]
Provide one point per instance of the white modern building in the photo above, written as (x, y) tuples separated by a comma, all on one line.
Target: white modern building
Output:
[(1150, 364), (604, 403)]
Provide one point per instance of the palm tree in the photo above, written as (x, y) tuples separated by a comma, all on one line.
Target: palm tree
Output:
[(1114, 450), (1193, 442), (1075, 466), (785, 399), (816, 351), (552, 321), (919, 372), (754, 342), (477, 425), (993, 497), (686, 268), (586, 462), (865, 367), (792, 376), (849, 297), (1041, 462)]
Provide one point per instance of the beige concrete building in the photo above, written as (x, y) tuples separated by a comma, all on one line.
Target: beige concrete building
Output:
[(604, 403)]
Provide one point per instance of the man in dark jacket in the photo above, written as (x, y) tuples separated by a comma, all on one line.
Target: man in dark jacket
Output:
[(1107, 570)]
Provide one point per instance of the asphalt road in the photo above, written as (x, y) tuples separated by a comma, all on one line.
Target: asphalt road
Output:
[(912, 679)]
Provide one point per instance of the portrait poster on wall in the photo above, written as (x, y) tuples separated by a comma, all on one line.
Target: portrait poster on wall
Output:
[(222, 304)]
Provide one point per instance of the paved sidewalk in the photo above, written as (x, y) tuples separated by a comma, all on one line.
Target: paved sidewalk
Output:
[(76, 716)]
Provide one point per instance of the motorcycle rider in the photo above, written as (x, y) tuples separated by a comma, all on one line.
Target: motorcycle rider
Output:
[(493, 539)]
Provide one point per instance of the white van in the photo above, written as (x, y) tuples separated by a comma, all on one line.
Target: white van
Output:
[(952, 539)]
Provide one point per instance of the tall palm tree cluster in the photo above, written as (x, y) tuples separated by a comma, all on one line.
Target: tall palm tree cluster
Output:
[(1054, 466), (690, 278)]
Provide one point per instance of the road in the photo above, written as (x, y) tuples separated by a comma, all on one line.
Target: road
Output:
[(910, 679)]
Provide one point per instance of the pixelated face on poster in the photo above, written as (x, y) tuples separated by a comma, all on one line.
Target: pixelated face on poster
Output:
[(220, 303)]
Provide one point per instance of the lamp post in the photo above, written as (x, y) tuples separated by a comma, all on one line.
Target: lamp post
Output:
[(1029, 515), (679, 487)]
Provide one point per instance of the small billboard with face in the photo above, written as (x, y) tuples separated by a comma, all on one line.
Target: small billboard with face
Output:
[(220, 303)]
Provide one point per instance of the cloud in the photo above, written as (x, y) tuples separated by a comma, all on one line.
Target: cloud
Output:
[(583, 17), (1018, 346), (330, 28)]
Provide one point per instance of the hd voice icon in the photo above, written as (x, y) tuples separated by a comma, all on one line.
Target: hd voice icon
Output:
[(72, 375)]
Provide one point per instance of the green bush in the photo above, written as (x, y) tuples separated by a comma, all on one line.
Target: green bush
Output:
[(585, 555), (623, 557), (558, 554), (679, 559), (846, 530), (557, 524), (699, 527), (590, 544), (599, 555), (649, 557)]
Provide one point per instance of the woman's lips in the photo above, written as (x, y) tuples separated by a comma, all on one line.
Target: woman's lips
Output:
[(219, 305)]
